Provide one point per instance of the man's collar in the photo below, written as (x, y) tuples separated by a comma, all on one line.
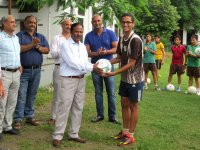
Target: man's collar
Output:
[(7, 35), (34, 34), (104, 30), (73, 42)]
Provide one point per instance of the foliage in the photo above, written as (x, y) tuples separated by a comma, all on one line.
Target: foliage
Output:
[(155, 16), (110, 10), (162, 19), (189, 12)]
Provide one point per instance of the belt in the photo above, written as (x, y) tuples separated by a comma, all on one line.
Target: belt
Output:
[(31, 67), (57, 64), (8, 69), (77, 77)]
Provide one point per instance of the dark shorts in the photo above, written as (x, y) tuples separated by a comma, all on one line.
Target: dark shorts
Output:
[(132, 91), (193, 72), (158, 64), (177, 68), (149, 66)]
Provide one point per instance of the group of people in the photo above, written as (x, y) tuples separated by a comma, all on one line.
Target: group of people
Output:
[(182, 58), (154, 55), (71, 64), (21, 60)]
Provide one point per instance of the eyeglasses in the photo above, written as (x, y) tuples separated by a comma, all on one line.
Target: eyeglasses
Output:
[(126, 22)]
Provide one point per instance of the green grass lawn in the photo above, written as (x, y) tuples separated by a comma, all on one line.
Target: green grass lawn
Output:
[(167, 121)]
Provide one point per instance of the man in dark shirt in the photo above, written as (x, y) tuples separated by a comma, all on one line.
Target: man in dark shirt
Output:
[(129, 55), (33, 45)]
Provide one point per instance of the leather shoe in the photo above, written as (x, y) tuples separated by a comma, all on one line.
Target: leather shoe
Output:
[(97, 119), (56, 143), (1, 137), (51, 122), (12, 132), (114, 120), (78, 139), (32, 121)]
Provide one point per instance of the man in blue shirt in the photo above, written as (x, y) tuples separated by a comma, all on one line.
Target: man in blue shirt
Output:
[(33, 45), (102, 43)]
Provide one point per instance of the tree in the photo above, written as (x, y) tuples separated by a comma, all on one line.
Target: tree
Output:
[(162, 19), (111, 9), (189, 12), (155, 16)]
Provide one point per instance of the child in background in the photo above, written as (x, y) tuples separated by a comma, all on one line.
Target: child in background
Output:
[(177, 66), (149, 60), (160, 54), (193, 65)]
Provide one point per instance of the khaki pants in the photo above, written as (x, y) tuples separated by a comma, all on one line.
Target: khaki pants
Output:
[(72, 94), (56, 86), (11, 82)]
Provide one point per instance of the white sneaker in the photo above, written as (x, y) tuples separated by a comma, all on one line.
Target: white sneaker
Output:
[(157, 88), (198, 93), (178, 89)]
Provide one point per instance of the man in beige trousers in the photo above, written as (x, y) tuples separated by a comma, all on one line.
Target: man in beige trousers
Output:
[(73, 66), (55, 52), (10, 74)]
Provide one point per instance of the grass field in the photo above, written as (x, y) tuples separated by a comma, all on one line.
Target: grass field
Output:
[(167, 121)]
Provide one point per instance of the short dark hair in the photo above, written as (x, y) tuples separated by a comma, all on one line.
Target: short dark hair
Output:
[(27, 17), (149, 34), (74, 25), (128, 15), (194, 36), (157, 36), (177, 36), (3, 19)]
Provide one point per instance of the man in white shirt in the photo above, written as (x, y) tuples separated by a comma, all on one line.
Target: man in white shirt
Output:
[(73, 66), (10, 71), (55, 52)]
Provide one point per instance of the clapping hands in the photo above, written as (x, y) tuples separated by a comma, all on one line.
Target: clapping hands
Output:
[(102, 51)]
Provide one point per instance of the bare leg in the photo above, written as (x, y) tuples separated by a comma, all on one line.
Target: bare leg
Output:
[(197, 81), (179, 80), (146, 76), (134, 116), (190, 82), (126, 112), (157, 73), (154, 78), (170, 78)]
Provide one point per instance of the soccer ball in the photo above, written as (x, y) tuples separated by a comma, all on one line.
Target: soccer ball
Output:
[(148, 81), (105, 65), (170, 87), (197, 50), (192, 90)]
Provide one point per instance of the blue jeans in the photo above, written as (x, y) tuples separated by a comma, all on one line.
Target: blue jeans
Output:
[(29, 83), (110, 89)]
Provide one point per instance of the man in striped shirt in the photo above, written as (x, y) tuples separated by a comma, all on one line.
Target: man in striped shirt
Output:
[(10, 74), (130, 56)]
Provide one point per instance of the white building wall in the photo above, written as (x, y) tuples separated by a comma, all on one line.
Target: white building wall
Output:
[(46, 18), (184, 37)]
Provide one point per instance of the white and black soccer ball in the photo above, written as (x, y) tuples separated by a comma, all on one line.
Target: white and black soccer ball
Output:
[(105, 65), (170, 87), (192, 90)]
